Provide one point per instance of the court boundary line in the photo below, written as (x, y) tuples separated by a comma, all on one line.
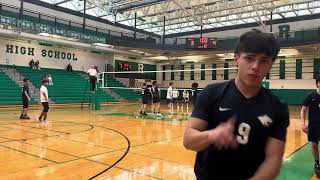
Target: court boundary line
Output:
[(85, 158), (295, 151)]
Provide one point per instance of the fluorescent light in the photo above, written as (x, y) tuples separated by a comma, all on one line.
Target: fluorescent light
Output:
[(102, 45), (198, 58), (288, 52), (159, 58), (226, 55), (44, 34), (57, 36)]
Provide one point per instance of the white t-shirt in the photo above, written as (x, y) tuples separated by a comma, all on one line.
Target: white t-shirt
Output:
[(175, 94), (43, 90), (92, 72), (186, 94), (169, 93)]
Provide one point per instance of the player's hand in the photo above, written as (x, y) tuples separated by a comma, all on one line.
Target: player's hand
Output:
[(223, 135), (304, 127), (29, 99)]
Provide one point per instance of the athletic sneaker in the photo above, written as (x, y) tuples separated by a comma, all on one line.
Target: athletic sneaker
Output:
[(39, 119), (145, 114), (158, 114), (26, 117), (317, 170)]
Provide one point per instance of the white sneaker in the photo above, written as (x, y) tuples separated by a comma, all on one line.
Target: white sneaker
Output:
[(160, 115)]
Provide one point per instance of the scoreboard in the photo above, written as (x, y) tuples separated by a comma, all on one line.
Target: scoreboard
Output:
[(201, 43)]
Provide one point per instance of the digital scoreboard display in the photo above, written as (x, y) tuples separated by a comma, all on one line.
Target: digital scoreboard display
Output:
[(201, 43)]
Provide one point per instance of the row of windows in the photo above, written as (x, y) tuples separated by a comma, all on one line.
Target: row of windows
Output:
[(297, 73), (202, 73)]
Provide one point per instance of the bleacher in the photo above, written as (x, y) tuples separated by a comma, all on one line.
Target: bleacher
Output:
[(68, 87), (128, 94), (10, 92)]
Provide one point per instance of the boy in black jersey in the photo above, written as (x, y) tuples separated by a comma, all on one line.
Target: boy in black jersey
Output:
[(25, 99), (155, 93), (237, 127), (312, 101), (144, 96), (194, 92)]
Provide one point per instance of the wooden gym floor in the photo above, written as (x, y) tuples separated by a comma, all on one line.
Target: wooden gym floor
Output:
[(115, 141)]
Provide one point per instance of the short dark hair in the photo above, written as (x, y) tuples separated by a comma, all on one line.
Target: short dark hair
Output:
[(154, 82), (255, 41), (317, 78), (45, 81), (25, 80), (144, 84), (171, 83), (195, 85)]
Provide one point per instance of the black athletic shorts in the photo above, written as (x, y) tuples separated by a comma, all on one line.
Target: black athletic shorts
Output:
[(156, 100), (175, 100), (25, 103), (144, 101), (45, 106), (314, 133)]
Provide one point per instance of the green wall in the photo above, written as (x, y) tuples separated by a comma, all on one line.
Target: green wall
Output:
[(292, 96)]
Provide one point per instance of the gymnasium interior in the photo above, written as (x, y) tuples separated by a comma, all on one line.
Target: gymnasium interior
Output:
[(100, 134)]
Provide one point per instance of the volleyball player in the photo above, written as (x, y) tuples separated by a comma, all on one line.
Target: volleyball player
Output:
[(155, 92), (44, 97), (185, 95), (25, 99), (238, 128), (144, 96), (175, 97), (194, 92), (169, 97), (312, 102)]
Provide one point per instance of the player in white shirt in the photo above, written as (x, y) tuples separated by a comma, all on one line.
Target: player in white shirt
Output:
[(44, 98), (175, 96), (186, 99), (50, 79), (169, 97), (93, 77)]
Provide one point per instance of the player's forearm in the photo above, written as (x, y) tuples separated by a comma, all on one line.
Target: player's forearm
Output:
[(303, 115), (195, 140), (268, 170), (26, 94)]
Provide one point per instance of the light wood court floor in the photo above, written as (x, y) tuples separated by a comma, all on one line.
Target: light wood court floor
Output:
[(77, 144)]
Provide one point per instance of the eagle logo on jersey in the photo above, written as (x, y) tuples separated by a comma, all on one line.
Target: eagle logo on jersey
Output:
[(265, 120)]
